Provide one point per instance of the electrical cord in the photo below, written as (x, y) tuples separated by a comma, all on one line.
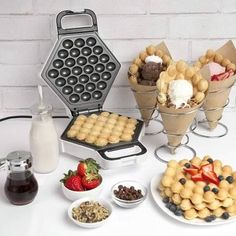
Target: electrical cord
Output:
[(28, 117)]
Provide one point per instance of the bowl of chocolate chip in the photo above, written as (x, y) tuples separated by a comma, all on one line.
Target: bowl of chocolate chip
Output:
[(128, 194)]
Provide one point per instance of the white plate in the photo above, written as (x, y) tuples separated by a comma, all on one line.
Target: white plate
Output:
[(90, 225), (158, 199)]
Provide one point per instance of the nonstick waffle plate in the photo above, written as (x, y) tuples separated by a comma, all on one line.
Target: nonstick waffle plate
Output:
[(80, 68), (119, 145)]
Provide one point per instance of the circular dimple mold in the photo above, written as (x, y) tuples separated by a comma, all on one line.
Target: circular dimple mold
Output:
[(106, 75), (99, 68), (88, 69), (67, 90), (74, 52), (91, 41), (76, 70), (97, 95), (110, 66), (104, 58), (97, 50), (62, 53), (93, 59), (80, 70), (86, 51), (69, 62), (101, 85), (79, 88), (74, 98), (79, 43), (83, 79), (72, 80), (95, 77), (60, 82), (67, 44), (81, 61), (90, 87), (53, 73), (58, 63), (64, 72), (85, 96)]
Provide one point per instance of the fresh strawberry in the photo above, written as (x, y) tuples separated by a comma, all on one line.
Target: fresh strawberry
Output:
[(207, 167), (210, 177), (222, 76), (91, 181), (191, 171), (194, 167), (88, 166), (72, 181), (197, 177)]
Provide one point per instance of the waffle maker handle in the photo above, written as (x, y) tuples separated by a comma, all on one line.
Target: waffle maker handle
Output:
[(143, 150), (92, 28)]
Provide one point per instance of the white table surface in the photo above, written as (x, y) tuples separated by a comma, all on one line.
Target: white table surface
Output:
[(47, 214)]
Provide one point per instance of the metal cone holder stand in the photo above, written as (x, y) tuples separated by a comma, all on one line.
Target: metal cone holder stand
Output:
[(195, 127), (173, 149), (154, 117)]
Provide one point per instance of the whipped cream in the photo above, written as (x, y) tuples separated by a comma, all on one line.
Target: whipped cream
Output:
[(153, 58), (180, 92)]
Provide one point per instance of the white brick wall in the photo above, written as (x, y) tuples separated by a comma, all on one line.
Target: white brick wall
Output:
[(27, 33)]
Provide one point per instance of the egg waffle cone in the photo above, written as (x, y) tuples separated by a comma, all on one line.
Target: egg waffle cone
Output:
[(219, 90), (176, 122), (146, 96)]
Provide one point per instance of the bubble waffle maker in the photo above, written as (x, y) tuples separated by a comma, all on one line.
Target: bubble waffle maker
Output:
[(80, 70)]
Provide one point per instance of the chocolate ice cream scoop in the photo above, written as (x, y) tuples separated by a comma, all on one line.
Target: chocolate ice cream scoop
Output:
[(151, 71)]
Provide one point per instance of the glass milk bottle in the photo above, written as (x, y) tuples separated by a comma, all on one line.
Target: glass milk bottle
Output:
[(44, 144)]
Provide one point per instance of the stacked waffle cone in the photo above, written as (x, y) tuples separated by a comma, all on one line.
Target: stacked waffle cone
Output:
[(146, 94), (176, 120), (219, 91)]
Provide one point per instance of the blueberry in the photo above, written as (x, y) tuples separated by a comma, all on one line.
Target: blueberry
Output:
[(168, 205), (210, 218), (225, 215), (187, 165), (215, 190), (210, 160), (166, 200), (182, 181), (230, 179), (220, 177), (178, 212), (206, 188), (173, 207)]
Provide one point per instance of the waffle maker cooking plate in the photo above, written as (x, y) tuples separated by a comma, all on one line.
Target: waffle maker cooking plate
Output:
[(80, 70)]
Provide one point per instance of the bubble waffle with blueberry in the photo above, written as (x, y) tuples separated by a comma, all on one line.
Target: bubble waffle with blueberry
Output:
[(199, 188), (102, 129)]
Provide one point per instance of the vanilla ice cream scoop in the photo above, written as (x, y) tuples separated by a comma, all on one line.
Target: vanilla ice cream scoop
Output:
[(153, 58), (180, 92)]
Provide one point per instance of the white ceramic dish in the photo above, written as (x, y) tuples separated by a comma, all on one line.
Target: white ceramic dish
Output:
[(127, 203), (103, 202), (75, 195), (158, 199)]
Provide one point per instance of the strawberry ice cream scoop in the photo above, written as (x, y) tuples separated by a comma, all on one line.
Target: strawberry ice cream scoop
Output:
[(215, 68)]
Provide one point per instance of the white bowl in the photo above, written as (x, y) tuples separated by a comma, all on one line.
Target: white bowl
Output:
[(75, 195), (129, 203), (103, 202)]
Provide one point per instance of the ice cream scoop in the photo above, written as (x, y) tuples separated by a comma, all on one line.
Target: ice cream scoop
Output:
[(215, 68), (180, 92), (151, 71)]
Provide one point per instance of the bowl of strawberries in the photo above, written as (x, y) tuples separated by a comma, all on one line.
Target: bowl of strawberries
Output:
[(85, 181)]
